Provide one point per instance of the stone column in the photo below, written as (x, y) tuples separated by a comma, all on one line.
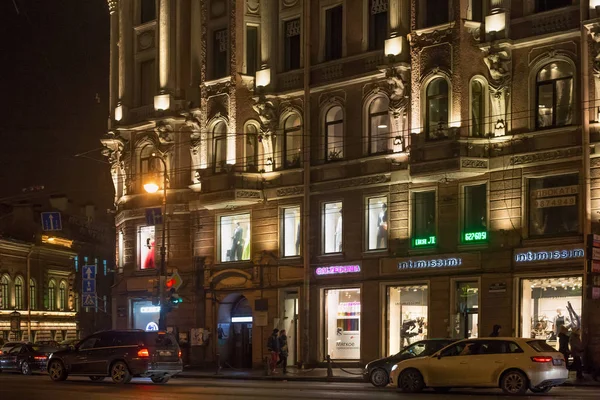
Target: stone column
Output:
[(113, 85), (195, 53), (125, 53), (266, 32), (164, 45)]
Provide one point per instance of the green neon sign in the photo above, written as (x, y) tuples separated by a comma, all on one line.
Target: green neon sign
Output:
[(475, 236), (429, 241)]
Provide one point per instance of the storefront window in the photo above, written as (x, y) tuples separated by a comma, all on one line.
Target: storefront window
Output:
[(290, 229), (377, 223), (332, 227), (466, 319), (424, 224), (549, 304), (145, 315), (475, 214), (120, 250), (342, 323), (553, 205), (146, 247), (407, 316), (234, 238)]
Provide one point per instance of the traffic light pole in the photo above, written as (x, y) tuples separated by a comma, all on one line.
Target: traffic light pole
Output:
[(162, 319)]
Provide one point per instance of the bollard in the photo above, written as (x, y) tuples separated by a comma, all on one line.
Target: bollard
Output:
[(218, 365), (267, 366), (329, 369)]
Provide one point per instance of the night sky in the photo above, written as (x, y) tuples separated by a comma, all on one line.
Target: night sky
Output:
[(54, 62)]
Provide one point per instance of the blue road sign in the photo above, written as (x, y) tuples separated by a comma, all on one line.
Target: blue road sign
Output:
[(51, 221), (89, 300), (154, 216), (89, 286), (89, 272)]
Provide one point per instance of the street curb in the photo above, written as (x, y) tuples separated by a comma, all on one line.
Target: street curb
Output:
[(289, 378)]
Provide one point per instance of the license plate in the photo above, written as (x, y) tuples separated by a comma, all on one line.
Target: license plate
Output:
[(165, 353), (557, 362)]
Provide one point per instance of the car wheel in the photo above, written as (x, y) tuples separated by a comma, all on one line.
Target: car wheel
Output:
[(160, 379), (513, 382), (441, 389), (97, 378), (379, 377), (57, 371), (541, 390), (25, 369), (120, 373), (411, 381)]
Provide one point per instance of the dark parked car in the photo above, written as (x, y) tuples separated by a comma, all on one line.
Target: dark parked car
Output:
[(68, 343), (120, 355), (378, 372), (25, 358)]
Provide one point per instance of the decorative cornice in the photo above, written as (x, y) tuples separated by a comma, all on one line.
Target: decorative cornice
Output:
[(290, 191), (430, 36), (351, 183), (545, 156), (477, 163)]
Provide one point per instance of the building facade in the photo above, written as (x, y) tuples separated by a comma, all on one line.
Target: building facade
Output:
[(360, 173)]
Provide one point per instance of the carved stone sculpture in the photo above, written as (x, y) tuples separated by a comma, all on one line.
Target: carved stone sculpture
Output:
[(198, 147), (498, 62), (268, 118)]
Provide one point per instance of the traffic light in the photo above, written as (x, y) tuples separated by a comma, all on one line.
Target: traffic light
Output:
[(172, 297)]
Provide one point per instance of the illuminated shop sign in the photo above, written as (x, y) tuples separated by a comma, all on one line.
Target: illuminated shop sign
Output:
[(153, 309), (475, 236), (338, 270), (434, 263), (241, 319), (419, 242), (533, 256)]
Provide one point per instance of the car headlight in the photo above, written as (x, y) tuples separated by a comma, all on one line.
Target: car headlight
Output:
[(395, 367)]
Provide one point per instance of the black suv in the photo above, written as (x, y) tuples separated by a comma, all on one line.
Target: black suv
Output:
[(120, 355)]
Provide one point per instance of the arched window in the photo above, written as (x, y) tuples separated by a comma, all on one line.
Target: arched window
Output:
[(436, 109), (251, 148), (52, 296), (379, 126), (219, 134), (554, 95), (334, 134), (32, 295), (62, 296), (19, 293), (150, 166), (4, 292), (477, 108), (292, 141)]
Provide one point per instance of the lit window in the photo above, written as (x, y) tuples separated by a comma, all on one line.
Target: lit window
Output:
[(554, 205), (19, 293), (219, 133), (147, 10), (466, 317), (146, 248), (407, 318), (32, 295), (291, 146), (342, 323), (121, 251), (377, 223), (378, 23), (333, 33), (424, 219), (234, 238), (147, 82), (290, 228), (477, 109), (554, 95), (475, 213), (4, 293), (252, 148), (291, 45), (52, 296), (220, 47), (379, 121), (334, 134), (62, 296), (437, 109), (332, 227), (252, 50)]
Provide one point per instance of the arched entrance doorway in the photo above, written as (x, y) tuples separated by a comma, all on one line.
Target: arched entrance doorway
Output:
[(234, 332)]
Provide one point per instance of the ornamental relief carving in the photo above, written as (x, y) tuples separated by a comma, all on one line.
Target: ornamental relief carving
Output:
[(253, 7), (472, 163), (430, 38), (218, 106), (545, 156), (289, 3), (338, 96), (289, 191), (248, 194), (145, 40), (362, 181)]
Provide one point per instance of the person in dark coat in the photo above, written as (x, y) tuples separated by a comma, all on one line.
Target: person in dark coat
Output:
[(273, 347), (563, 343), (576, 352), (283, 350), (495, 331)]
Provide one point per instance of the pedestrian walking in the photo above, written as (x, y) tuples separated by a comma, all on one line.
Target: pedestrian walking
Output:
[(576, 352), (495, 331), (273, 347), (563, 343), (283, 350)]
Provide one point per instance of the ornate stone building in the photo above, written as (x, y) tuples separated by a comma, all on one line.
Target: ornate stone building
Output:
[(360, 173)]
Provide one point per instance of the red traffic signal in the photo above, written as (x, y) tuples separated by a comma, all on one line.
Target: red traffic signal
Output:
[(170, 283)]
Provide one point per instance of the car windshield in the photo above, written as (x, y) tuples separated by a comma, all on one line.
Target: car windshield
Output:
[(422, 349), (541, 346)]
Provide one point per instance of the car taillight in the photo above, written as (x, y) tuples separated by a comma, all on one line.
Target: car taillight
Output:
[(541, 359), (40, 358), (179, 353), (143, 353)]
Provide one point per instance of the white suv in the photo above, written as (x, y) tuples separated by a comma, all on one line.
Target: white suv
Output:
[(513, 364)]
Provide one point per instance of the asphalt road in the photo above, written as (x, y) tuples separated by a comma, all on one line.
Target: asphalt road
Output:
[(18, 387)]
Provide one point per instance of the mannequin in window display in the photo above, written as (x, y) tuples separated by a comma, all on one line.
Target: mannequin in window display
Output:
[(149, 261), (298, 238), (382, 226), (411, 327), (338, 233), (237, 242), (559, 321)]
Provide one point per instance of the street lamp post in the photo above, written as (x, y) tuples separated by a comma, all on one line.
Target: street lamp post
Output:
[(152, 187)]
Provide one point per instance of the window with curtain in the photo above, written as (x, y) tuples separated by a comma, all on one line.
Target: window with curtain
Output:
[(251, 148), (378, 23), (219, 134), (436, 109), (333, 32), (334, 134), (292, 141), (32, 295), (477, 108), (291, 45), (147, 11), (4, 293), (554, 92), (62, 296), (147, 82), (52, 296), (19, 293), (379, 130)]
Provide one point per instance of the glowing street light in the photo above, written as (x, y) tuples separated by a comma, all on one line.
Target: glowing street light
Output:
[(151, 187)]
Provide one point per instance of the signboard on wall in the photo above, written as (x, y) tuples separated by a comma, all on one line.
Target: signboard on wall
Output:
[(260, 318), (548, 254), (437, 262)]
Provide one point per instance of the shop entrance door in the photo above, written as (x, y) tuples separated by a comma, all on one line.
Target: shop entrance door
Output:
[(241, 331), (466, 321), (290, 324)]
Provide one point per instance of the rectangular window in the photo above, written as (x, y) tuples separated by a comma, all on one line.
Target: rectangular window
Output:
[(252, 50), (145, 315), (291, 49), (19, 294), (291, 234), (146, 247), (220, 48), (377, 223), (105, 267), (121, 251), (554, 205), (234, 238), (32, 299), (332, 227), (342, 323), (549, 305), (378, 23), (147, 11), (434, 12), (424, 219), (475, 11), (475, 213), (147, 83), (76, 263), (407, 316), (333, 33), (466, 317), (547, 5)]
